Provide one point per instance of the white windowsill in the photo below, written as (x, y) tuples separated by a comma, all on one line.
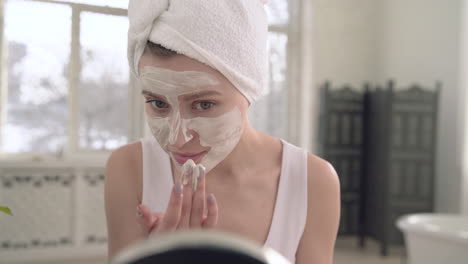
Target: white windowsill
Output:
[(97, 160)]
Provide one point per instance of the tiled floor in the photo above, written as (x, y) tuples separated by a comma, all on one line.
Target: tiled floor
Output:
[(348, 252)]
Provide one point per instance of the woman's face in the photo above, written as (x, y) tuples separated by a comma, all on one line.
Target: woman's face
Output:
[(193, 111)]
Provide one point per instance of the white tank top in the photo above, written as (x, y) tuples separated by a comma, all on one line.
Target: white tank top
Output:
[(290, 213)]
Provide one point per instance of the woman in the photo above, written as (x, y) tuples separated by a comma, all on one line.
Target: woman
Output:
[(199, 65)]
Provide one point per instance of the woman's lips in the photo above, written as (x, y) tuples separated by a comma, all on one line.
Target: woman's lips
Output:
[(181, 158)]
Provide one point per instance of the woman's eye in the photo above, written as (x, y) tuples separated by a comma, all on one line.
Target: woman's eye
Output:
[(158, 104), (203, 105)]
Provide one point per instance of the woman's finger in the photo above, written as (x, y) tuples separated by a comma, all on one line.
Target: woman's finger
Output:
[(156, 221), (212, 216), (187, 201), (172, 216), (198, 204), (145, 218)]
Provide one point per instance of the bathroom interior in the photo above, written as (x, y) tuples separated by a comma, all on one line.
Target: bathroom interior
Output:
[(377, 88)]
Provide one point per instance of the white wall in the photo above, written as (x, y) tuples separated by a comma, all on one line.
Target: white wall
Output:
[(463, 107), (420, 43), (346, 37), (411, 41)]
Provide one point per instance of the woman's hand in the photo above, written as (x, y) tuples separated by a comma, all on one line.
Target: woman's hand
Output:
[(187, 208)]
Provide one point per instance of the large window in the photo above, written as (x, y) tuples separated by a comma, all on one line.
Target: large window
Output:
[(66, 84)]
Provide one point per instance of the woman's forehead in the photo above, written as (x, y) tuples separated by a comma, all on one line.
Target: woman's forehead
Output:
[(181, 75), (178, 63), (178, 78), (165, 82)]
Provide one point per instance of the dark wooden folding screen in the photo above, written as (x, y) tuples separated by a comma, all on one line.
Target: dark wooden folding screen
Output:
[(341, 144), (391, 134), (399, 156)]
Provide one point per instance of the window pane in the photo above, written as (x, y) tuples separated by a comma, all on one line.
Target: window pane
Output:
[(269, 114), (110, 3), (37, 86), (104, 82), (277, 12)]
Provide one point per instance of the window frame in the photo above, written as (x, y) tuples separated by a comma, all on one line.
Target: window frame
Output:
[(301, 89)]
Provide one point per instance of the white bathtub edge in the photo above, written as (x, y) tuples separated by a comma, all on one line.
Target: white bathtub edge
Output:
[(425, 229)]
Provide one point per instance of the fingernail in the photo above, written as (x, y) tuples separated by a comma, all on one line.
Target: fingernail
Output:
[(195, 175), (182, 179), (183, 176), (185, 179), (139, 213), (211, 199), (187, 170), (179, 188), (190, 169), (202, 171), (187, 175)]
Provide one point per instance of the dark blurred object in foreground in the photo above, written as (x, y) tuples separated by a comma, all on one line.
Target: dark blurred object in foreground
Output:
[(198, 247)]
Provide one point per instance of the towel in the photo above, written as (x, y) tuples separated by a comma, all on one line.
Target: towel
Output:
[(227, 35)]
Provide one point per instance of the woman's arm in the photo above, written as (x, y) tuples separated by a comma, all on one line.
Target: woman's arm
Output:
[(121, 199), (323, 214)]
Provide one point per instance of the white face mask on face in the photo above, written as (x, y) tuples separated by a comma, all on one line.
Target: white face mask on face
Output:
[(219, 133)]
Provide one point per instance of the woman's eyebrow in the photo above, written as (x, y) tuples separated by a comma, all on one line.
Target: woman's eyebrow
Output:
[(201, 94), (145, 92), (187, 97)]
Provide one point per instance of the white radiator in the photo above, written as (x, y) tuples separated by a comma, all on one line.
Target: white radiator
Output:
[(58, 212)]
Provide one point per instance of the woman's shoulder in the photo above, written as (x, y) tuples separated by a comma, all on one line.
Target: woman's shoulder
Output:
[(124, 166), (321, 173), (129, 154), (319, 164), (318, 169)]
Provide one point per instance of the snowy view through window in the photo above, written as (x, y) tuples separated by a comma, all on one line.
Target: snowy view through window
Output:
[(37, 76), (38, 110)]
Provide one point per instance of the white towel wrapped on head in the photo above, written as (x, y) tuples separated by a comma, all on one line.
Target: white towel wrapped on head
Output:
[(228, 35)]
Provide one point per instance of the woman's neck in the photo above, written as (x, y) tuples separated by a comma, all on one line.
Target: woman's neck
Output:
[(244, 157)]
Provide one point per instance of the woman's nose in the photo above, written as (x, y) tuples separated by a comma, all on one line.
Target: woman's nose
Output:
[(180, 135)]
